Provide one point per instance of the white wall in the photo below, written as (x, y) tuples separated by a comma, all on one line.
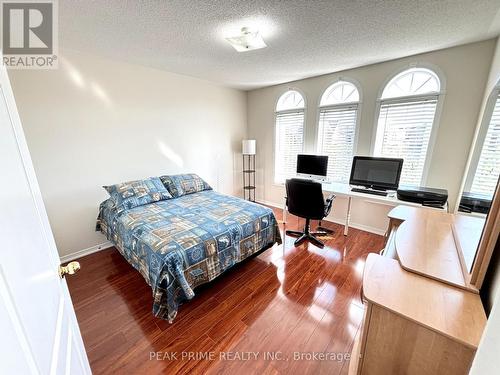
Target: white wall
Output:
[(96, 122), (465, 70), (494, 76)]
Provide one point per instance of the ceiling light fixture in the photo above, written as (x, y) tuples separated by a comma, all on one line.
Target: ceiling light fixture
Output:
[(248, 40)]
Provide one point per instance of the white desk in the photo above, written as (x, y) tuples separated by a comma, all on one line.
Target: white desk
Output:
[(344, 190)]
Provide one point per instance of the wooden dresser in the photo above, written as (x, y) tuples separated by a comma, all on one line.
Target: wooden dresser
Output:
[(422, 314)]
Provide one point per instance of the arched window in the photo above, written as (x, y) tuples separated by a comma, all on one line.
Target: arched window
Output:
[(338, 115), (485, 164), (407, 114), (289, 138)]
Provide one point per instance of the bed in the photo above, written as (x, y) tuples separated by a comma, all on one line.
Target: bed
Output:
[(187, 240)]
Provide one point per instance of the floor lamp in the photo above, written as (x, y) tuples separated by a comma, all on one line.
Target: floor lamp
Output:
[(248, 151)]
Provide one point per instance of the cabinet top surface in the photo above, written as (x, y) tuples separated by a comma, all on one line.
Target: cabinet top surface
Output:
[(408, 212), (428, 247), (437, 244)]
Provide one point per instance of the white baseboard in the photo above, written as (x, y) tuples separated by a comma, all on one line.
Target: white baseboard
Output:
[(362, 227), (90, 250)]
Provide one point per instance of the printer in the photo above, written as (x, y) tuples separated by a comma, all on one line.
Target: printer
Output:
[(426, 196), (475, 202)]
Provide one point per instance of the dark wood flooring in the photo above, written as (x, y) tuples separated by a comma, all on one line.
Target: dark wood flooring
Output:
[(287, 302)]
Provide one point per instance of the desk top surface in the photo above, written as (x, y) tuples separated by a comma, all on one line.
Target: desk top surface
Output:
[(391, 199), (453, 312)]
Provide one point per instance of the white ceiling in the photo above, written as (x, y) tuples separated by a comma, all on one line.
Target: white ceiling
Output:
[(304, 38)]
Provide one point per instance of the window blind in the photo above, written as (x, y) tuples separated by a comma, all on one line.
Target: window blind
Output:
[(405, 127), (488, 167), (337, 129), (289, 143)]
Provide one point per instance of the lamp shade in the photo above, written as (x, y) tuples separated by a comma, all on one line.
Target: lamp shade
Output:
[(248, 146)]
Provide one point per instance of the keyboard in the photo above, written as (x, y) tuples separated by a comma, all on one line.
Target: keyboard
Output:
[(367, 191)]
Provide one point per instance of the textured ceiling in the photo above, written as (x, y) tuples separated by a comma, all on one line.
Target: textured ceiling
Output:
[(304, 38)]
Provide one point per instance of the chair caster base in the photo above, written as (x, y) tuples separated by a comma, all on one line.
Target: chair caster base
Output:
[(309, 237)]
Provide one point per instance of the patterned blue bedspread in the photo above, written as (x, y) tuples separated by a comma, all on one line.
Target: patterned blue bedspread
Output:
[(180, 243)]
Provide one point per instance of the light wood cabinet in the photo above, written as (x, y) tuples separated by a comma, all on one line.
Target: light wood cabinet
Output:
[(413, 324), (423, 312)]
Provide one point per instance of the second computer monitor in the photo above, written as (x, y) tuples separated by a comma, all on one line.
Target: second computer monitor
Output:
[(376, 173), (312, 166)]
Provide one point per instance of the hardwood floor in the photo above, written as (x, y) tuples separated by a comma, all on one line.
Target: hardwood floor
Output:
[(287, 302)]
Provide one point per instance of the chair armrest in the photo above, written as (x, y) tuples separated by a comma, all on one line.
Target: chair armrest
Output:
[(328, 204), (331, 198)]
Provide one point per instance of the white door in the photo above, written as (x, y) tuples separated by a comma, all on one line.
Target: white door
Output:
[(39, 333)]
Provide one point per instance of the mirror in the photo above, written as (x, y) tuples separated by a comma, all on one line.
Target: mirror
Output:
[(481, 180), (471, 228)]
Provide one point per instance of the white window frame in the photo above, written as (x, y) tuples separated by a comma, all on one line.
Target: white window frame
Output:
[(275, 113), (343, 105), (437, 116), (481, 137)]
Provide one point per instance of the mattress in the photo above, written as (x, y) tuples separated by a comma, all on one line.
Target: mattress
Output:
[(181, 243)]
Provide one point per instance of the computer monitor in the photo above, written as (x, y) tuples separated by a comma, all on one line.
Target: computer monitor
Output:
[(312, 166), (376, 173)]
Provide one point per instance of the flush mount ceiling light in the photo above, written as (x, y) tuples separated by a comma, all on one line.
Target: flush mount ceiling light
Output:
[(248, 40)]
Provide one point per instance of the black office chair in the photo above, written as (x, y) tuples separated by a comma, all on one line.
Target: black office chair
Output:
[(304, 198)]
